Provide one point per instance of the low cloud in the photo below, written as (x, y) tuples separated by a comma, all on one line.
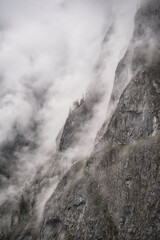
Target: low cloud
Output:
[(49, 53)]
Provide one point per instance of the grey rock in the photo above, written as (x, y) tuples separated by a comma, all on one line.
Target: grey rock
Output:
[(114, 193)]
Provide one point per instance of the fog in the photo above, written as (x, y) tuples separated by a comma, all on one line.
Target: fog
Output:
[(49, 54)]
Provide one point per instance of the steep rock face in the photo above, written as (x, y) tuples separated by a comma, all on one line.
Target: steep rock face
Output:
[(116, 190), (74, 123), (138, 112), (143, 52), (113, 194), (84, 111), (109, 196)]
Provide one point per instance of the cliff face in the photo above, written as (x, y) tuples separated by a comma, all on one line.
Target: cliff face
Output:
[(74, 123), (114, 193), (141, 55), (84, 111)]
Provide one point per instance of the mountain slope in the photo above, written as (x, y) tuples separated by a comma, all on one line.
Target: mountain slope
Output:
[(113, 193)]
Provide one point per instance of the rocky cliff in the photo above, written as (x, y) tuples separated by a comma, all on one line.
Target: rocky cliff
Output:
[(114, 193)]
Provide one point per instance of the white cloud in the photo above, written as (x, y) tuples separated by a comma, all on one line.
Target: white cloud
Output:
[(48, 52)]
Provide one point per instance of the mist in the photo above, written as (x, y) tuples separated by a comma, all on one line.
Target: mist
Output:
[(49, 56)]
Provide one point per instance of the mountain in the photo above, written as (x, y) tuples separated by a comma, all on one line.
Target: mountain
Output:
[(114, 192)]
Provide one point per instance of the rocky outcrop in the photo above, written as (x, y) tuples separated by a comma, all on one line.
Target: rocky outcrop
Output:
[(138, 111), (74, 124)]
